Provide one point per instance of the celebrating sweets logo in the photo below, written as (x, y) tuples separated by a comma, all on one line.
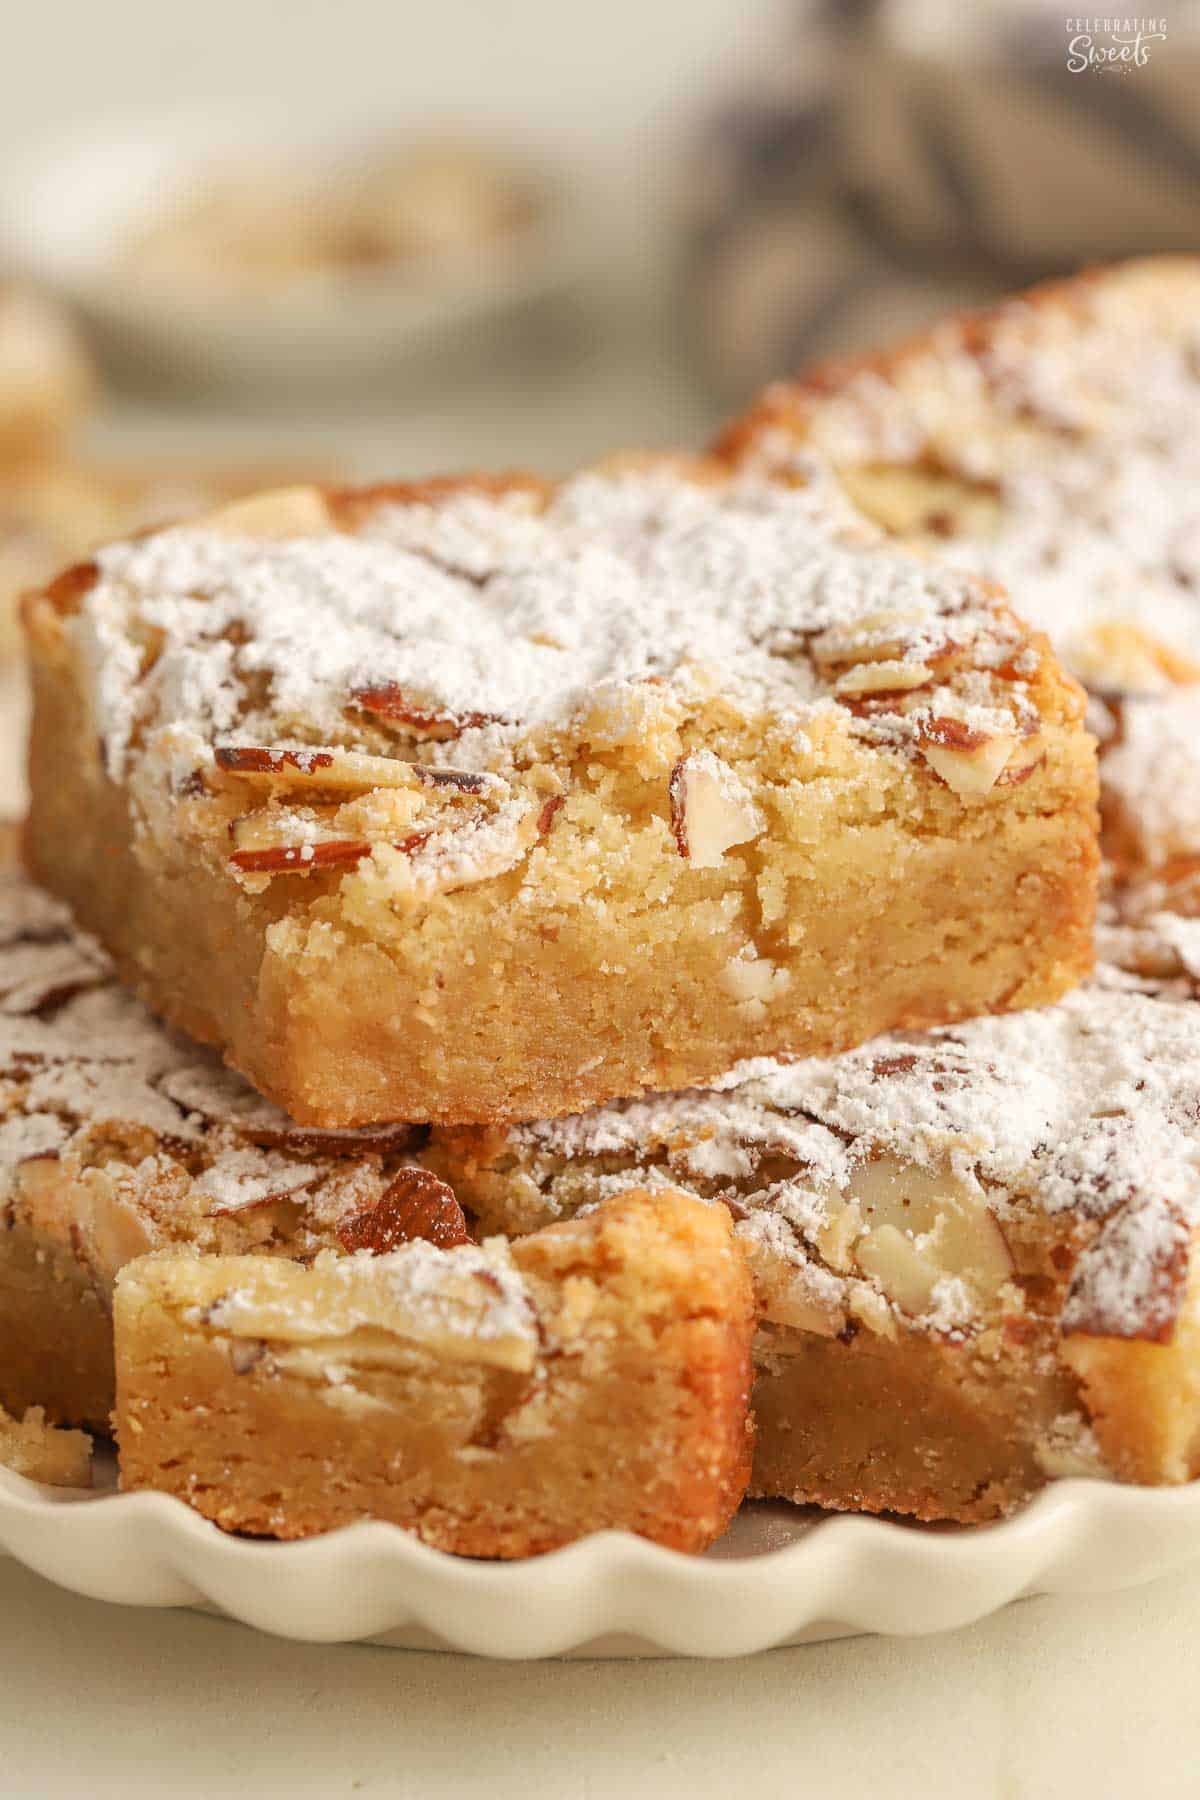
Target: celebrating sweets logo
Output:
[(1112, 46)]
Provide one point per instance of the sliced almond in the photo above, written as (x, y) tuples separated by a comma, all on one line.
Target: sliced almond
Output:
[(1155, 1256), (711, 809), (795, 1298), (885, 677), (301, 859), (266, 843), (1023, 763), (974, 771), (416, 1206), (350, 771), (312, 1140), (387, 700)]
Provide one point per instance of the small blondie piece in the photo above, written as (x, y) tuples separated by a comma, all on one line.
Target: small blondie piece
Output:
[(117, 1138), (1051, 443), (492, 799), (44, 1453), (495, 1402), (977, 1251)]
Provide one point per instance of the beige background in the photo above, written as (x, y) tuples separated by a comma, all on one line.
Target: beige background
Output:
[(1095, 1698)]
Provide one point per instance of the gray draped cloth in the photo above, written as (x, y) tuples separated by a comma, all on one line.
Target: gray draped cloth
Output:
[(903, 156)]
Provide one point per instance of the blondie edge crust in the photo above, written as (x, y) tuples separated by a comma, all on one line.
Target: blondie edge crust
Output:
[(488, 799)]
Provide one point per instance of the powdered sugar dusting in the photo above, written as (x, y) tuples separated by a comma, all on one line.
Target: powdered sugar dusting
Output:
[(482, 610), (468, 1301), (1087, 1110)]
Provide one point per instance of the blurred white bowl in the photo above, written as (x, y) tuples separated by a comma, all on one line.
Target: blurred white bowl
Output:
[(68, 207)]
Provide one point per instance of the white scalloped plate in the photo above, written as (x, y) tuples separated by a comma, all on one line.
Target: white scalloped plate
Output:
[(780, 1576)]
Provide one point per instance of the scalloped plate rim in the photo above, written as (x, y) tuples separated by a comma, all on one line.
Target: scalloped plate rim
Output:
[(845, 1572)]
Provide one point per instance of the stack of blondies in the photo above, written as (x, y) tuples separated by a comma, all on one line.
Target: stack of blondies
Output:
[(557, 1005)]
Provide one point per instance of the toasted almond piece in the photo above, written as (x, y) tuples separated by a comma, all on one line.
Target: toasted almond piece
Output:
[(271, 828), (349, 770), (550, 808), (312, 1141), (711, 809), (883, 677), (922, 1225), (463, 781), (300, 859), (842, 1229), (974, 771), (906, 1275), (278, 513), (882, 636), (44, 1453), (872, 1310), (416, 1205), (387, 700), (1021, 765)]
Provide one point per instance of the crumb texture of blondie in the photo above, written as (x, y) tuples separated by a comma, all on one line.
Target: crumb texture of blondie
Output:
[(496, 1402), (974, 1249), (493, 799), (1053, 445), (44, 1453)]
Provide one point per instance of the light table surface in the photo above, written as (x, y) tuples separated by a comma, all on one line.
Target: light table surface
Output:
[(1092, 1698)]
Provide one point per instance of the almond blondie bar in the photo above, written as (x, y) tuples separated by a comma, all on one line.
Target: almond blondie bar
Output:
[(1053, 444), (495, 1401), (117, 1138), (491, 799), (976, 1250)]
